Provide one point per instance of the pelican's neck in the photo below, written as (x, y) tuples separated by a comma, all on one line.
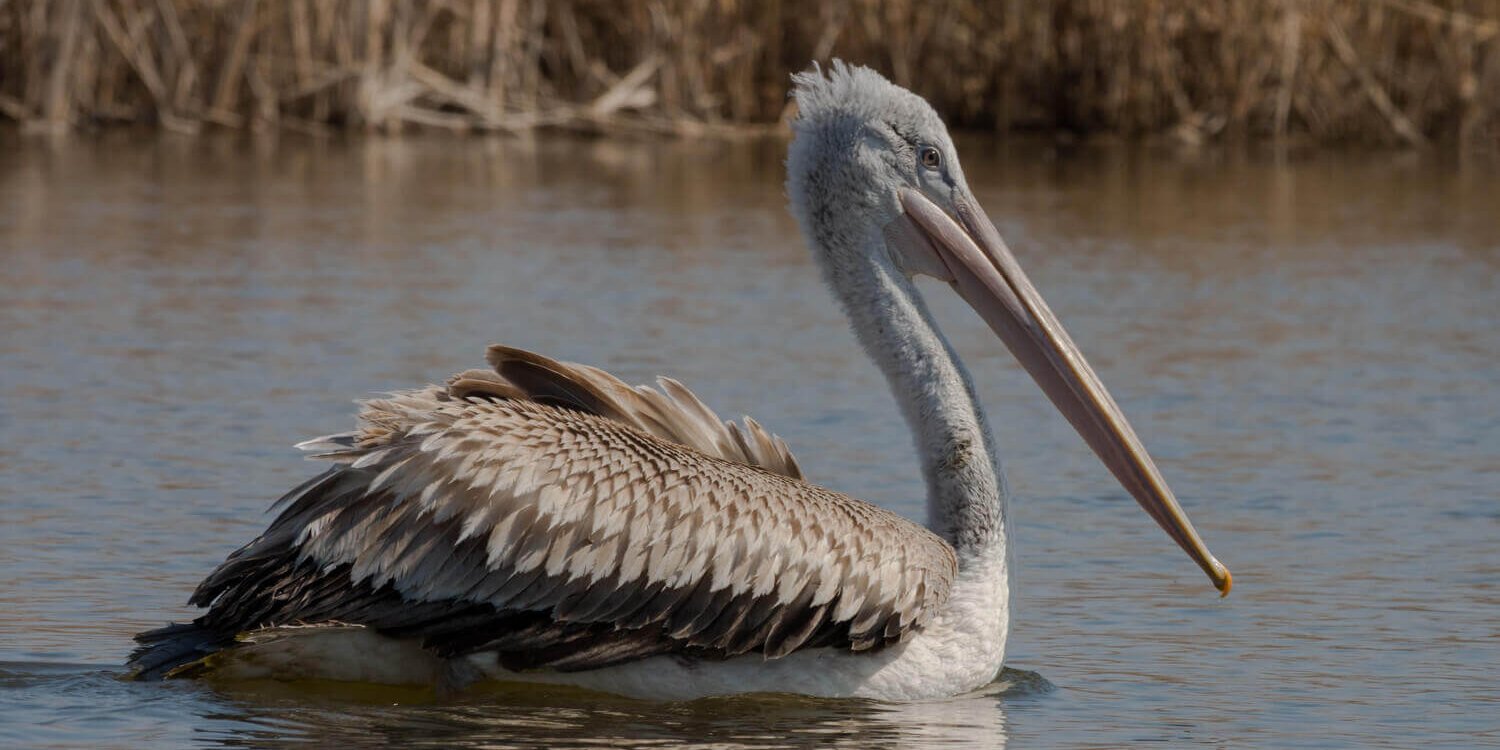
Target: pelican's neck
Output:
[(966, 489)]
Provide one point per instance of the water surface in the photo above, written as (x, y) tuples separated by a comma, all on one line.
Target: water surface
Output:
[(1308, 344)]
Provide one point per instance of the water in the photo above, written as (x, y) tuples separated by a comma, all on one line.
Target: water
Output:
[(1309, 345)]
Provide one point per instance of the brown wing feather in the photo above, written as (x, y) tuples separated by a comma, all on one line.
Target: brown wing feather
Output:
[(553, 514), (673, 413)]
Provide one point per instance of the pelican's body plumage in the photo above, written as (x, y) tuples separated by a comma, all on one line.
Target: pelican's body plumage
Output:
[(543, 521)]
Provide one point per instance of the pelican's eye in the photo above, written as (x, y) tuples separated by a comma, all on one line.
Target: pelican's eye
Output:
[(931, 157)]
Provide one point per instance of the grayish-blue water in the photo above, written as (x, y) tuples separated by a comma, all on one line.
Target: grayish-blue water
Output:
[(1309, 345)]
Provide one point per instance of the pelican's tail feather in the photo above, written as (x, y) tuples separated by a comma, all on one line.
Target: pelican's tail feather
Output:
[(177, 650)]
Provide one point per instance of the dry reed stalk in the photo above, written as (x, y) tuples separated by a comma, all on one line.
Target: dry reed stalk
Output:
[(1392, 71), (1378, 96)]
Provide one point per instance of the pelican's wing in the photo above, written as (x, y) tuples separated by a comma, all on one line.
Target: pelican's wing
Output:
[(673, 413), (555, 516)]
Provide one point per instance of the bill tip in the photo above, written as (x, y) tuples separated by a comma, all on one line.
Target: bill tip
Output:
[(1224, 582)]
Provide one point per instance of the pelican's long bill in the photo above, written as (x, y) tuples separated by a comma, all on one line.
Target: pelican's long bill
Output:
[(983, 271)]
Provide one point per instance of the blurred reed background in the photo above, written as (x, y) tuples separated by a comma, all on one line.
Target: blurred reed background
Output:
[(1331, 71)]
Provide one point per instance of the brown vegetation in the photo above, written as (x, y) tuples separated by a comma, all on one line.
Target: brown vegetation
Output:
[(1393, 71)]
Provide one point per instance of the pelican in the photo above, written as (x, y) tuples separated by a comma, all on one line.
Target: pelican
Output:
[(540, 521)]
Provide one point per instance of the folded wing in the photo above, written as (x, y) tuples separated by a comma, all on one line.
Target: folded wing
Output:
[(552, 514)]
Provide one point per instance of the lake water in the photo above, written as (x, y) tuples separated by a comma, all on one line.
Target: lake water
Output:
[(1309, 344)]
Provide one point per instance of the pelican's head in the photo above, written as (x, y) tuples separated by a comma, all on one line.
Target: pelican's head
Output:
[(873, 178)]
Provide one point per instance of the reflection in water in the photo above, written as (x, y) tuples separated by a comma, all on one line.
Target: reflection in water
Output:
[(342, 715), (1310, 347), (549, 717)]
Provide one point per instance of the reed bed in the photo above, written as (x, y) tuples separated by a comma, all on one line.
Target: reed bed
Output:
[(1386, 71)]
